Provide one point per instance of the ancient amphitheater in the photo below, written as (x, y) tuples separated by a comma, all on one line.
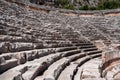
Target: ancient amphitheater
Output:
[(40, 43)]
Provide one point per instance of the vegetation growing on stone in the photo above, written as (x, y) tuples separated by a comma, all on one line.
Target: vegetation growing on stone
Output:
[(65, 4), (106, 4), (81, 5)]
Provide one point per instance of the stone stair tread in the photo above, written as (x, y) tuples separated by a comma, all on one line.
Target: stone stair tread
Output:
[(76, 56), (89, 49), (79, 72), (68, 72), (9, 75), (82, 44), (35, 64), (11, 60), (67, 48), (31, 54), (27, 64), (88, 46), (93, 52), (71, 52), (76, 63), (81, 59), (87, 68), (8, 64), (51, 72)]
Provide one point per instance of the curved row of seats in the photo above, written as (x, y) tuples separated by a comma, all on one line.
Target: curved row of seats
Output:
[(28, 56), (44, 60), (24, 61)]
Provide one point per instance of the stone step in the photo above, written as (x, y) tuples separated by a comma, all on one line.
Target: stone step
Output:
[(24, 56), (83, 44), (59, 45), (71, 52), (71, 58), (82, 54), (43, 52), (32, 64), (89, 49), (31, 69), (76, 56), (79, 70), (15, 47), (68, 72), (88, 46), (54, 70), (48, 72), (80, 41), (93, 52), (8, 64), (9, 38), (67, 48), (91, 71)]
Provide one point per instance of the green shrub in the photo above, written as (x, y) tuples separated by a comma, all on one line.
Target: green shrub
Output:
[(60, 3), (84, 7), (108, 4), (100, 7), (68, 6), (104, 4), (92, 8)]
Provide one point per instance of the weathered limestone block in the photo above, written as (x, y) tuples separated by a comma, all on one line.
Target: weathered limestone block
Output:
[(21, 57), (8, 64), (34, 54), (30, 55), (5, 47), (67, 49), (33, 70), (11, 75), (2, 60), (44, 52), (109, 55), (40, 65), (22, 46), (38, 45), (15, 47), (7, 56), (11, 38), (72, 52), (54, 70)]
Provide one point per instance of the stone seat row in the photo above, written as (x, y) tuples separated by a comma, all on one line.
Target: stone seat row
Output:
[(39, 64)]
